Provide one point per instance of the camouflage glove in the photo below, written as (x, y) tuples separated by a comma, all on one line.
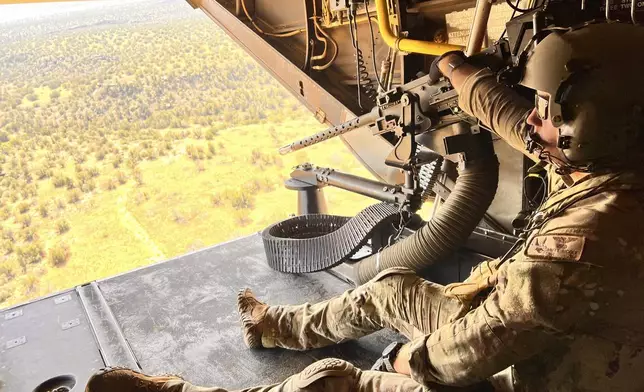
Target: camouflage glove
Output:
[(483, 277), (434, 72)]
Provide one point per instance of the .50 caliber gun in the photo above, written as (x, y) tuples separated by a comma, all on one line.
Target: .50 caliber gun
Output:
[(407, 111)]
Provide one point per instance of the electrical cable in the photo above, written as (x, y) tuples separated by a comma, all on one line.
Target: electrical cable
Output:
[(505, 30), (357, 51), (543, 187), (277, 35), (363, 81), (565, 206), (373, 46), (524, 10)]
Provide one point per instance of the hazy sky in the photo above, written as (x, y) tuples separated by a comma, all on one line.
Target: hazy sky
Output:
[(15, 12)]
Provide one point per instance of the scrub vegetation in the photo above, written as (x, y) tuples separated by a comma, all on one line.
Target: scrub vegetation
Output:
[(134, 132)]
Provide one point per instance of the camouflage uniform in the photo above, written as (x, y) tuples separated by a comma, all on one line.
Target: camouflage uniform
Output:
[(565, 311)]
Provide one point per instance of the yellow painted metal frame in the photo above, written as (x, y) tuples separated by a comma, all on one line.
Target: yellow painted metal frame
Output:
[(406, 44)]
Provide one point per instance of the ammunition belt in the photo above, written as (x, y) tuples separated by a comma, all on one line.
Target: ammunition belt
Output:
[(316, 242)]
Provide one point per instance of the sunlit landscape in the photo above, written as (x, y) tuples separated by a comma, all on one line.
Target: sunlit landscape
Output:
[(132, 132)]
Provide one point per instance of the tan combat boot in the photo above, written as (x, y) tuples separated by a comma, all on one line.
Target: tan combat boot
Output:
[(117, 379), (251, 312)]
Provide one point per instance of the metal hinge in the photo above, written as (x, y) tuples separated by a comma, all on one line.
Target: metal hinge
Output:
[(320, 116)]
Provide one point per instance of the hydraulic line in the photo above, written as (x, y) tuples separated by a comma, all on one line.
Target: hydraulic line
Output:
[(407, 44), (323, 38), (473, 193), (335, 48)]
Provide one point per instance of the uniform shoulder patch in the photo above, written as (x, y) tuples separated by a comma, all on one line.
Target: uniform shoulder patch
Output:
[(556, 247)]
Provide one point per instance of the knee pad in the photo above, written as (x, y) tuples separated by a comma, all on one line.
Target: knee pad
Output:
[(391, 272), (329, 367)]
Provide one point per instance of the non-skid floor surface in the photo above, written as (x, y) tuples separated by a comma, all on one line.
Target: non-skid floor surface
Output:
[(180, 316)]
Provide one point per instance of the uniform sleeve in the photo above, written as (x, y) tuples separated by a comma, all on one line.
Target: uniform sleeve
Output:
[(497, 106), (536, 302)]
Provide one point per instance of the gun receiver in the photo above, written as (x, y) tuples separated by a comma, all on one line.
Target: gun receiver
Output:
[(413, 108)]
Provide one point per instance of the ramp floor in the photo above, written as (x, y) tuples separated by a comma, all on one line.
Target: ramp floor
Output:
[(180, 316)]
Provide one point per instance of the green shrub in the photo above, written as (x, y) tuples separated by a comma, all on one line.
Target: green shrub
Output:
[(10, 268), (93, 171), (5, 294), (121, 177), (43, 173), (23, 207), (73, 196), (141, 197), (242, 217), (240, 200), (24, 220), (88, 186), (109, 184), (6, 247), (62, 226), (211, 133), (60, 204), (28, 234), (117, 161), (138, 176), (195, 152), (30, 253), (43, 209), (60, 180), (79, 158), (7, 234), (29, 284), (59, 254), (216, 200)]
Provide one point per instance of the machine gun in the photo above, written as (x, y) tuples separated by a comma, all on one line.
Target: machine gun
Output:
[(402, 114), (405, 115)]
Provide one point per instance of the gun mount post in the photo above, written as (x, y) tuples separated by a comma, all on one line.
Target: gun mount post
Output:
[(320, 177), (310, 198)]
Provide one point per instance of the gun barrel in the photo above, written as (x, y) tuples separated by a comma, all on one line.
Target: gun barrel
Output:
[(331, 132)]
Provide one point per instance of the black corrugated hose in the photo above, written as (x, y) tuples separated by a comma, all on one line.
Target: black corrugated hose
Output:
[(455, 220)]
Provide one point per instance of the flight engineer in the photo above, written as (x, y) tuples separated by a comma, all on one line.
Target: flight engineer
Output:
[(565, 312)]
